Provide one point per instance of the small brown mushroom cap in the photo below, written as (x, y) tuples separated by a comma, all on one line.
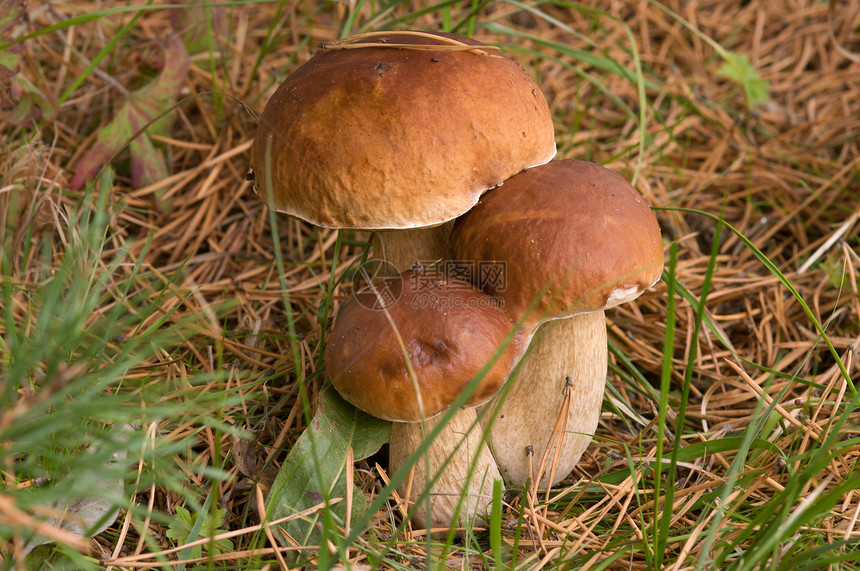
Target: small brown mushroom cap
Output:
[(448, 329), (573, 235), (389, 137)]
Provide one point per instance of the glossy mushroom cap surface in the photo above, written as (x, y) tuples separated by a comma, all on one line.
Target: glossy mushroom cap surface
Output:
[(449, 330), (571, 234), (386, 137)]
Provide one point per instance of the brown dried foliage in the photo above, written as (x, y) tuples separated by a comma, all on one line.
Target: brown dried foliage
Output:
[(785, 174)]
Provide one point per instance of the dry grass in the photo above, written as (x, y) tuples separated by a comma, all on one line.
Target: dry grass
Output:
[(785, 174)]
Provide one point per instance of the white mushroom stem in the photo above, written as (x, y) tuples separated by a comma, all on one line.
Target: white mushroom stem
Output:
[(402, 248), (471, 471), (573, 348), (463, 491)]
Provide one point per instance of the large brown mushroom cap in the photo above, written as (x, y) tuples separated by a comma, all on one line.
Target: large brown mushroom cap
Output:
[(386, 137), (575, 230), (449, 330)]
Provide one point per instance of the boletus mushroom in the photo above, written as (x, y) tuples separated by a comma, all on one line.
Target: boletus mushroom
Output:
[(398, 133), (575, 239), (407, 360)]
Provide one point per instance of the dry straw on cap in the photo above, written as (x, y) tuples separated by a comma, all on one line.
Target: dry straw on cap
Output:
[(405, 131)]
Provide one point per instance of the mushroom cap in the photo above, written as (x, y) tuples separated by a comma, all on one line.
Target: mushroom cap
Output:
[(449, 330), (572, 236), (384, 137)]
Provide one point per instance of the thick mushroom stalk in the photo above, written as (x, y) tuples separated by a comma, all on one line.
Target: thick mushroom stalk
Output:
[(575, 239), (406, 357), (562, 375), (462, 493)]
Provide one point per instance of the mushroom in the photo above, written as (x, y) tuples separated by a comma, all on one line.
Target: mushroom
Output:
[(576, 239), (399, 133), (406, 358)]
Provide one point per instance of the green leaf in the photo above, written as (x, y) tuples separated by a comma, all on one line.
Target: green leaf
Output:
[(182, 525), (147, 162), (739, 69), (10, 60), (20, 100), (140, 111), (90, 515), (315, 468), (11, 12), (29, 102), (199, 23)]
